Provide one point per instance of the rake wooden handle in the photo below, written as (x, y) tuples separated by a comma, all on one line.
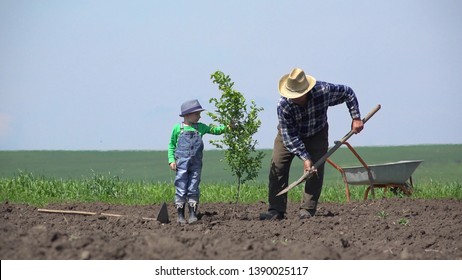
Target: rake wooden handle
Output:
[(86, 213), (308, 174)]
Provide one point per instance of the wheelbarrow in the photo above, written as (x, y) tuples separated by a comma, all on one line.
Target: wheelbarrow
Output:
[(396, 176)]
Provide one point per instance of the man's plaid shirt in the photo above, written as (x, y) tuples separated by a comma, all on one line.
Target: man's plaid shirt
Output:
[(296, 122)]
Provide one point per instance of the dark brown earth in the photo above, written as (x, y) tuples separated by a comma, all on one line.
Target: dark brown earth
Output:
[(401, 228)]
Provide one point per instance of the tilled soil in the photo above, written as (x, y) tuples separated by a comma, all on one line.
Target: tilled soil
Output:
[(401, 228)]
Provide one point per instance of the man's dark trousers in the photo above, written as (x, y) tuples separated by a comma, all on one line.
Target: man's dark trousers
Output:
[(317, 146)]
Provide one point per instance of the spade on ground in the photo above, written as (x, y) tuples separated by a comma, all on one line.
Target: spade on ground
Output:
[(162, 216)]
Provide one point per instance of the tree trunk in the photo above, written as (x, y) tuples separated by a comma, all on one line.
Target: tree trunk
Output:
[(238, 189)]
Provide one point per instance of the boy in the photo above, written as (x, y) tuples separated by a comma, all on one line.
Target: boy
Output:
[(185, 157)]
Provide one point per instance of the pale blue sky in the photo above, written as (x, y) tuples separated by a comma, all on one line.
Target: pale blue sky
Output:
[(111, 75)]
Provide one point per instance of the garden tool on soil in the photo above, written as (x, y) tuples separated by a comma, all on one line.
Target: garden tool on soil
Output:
[(337, 145), (86, 213), (162, 216)]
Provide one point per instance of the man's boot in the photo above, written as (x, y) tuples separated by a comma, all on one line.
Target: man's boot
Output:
[(192, 212), (180, 208), (307, 213), (272, 215)]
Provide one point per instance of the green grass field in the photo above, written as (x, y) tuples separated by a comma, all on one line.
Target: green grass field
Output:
[(143, 177), (442, 163)]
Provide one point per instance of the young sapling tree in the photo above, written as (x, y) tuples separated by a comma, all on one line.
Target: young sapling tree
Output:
[(240, 147)]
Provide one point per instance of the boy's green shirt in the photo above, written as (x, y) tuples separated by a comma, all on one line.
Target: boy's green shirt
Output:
[(201, 128)]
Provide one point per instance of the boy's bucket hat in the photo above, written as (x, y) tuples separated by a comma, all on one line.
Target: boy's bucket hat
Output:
[(190, 107), (296, 84)]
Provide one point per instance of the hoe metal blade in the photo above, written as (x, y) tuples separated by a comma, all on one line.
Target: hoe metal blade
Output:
[(163, 214)]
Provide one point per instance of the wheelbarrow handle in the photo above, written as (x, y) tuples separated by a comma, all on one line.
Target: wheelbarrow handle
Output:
[(337, 145)]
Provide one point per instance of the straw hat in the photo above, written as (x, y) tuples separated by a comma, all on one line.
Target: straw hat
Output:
[(296, 84), (190, 106)]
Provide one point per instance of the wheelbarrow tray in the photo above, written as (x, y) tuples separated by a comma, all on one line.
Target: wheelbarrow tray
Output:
[(388, 173)]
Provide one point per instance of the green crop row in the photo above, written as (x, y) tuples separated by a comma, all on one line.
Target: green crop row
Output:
[(39, 191)]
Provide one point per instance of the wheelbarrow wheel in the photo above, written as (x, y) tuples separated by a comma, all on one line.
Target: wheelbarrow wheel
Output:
[(401, 190), (408, 189)]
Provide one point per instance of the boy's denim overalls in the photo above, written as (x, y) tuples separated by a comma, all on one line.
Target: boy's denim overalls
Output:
[(188, 154)]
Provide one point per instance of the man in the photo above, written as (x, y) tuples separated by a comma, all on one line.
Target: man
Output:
[(303, 132)]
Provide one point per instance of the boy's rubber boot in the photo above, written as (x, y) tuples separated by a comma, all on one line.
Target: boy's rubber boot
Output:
[(180, 208), (192, 213)]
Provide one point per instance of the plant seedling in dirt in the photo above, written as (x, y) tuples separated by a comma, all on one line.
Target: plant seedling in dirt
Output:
[(403, 221), (232, 110), (284, 241), (382, 214)]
